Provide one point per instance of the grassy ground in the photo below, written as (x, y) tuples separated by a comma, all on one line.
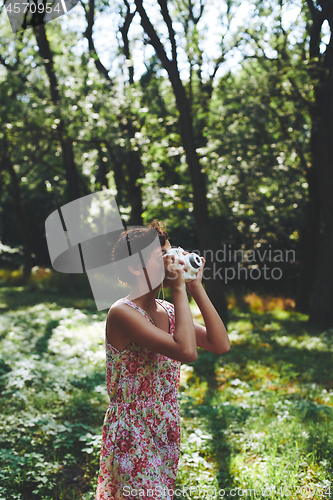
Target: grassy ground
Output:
[(256, 422)]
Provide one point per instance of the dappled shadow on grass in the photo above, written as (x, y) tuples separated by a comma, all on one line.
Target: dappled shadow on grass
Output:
[(53, 413), (14, 298), (41, 345), (73, 481), (291, 323), (48, 440), (283, 342), (52, 379), (80, 406), (292, 364), (204, 369), (214, 423), (275, 359)]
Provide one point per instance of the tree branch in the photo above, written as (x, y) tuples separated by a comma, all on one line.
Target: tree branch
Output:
[(124, 33), (84, 6), (327, 7), (312, 8), (90, 17), (167, 19), (218, 63), (318, 17), (298, 92), (154, 40), (194, 19)]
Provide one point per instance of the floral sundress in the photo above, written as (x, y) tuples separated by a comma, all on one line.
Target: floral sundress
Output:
[(141, 431)]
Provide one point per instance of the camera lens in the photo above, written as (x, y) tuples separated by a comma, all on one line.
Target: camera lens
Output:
[(195, 261)]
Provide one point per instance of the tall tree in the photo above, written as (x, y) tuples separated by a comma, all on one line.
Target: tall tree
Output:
[(205, 233), (127, 165), (321, 312), (16, 197), (293, 102), (72, 175), (301, 75)]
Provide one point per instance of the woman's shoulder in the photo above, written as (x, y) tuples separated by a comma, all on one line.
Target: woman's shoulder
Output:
[(121, 308), (117, 304), (118, 307)]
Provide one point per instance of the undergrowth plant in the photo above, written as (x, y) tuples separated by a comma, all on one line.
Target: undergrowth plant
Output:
[(256, 422)]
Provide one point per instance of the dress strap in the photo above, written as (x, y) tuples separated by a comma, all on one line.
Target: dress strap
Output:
[(138, 308)]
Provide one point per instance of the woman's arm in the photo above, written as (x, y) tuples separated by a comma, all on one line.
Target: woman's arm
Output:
[(213, 336), (133, 326), (184, 334)]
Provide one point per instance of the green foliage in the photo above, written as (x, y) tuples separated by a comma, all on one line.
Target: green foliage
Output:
[(257, 417), (268, 406), (43, 435), (251, 128)]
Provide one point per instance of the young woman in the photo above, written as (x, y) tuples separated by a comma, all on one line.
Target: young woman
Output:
[(146, 342)]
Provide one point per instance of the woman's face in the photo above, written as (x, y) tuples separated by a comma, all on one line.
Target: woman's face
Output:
[(166, 247), (155, 264)]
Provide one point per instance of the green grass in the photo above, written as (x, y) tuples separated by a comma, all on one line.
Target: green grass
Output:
[(268, 407), (258, 417)]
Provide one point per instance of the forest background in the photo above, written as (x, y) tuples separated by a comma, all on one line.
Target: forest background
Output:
[(216, 119), (222, 130)]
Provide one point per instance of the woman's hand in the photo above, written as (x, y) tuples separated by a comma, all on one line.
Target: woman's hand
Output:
[(197, 282), (174, 272)]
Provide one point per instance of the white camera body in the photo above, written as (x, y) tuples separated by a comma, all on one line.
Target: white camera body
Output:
[(192, 262)]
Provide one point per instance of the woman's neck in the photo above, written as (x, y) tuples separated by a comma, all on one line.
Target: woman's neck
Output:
[(146, 302)]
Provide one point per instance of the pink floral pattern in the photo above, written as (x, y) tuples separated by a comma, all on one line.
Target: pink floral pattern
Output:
[(141, 431)]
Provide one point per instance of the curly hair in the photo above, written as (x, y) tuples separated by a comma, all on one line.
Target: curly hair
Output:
[(134, 240)]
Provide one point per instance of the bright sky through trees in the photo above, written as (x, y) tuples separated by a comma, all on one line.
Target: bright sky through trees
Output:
[(212, 25)]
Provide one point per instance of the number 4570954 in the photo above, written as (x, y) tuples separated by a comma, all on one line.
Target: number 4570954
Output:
[(22, 8)]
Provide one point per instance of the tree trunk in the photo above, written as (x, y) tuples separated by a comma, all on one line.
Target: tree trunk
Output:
[(72, 177), (135, 171), (321, 313), (125, 176), (101, 174), (205, 235), (309, 239), (128, 187), (23, 224), (71, 174)]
